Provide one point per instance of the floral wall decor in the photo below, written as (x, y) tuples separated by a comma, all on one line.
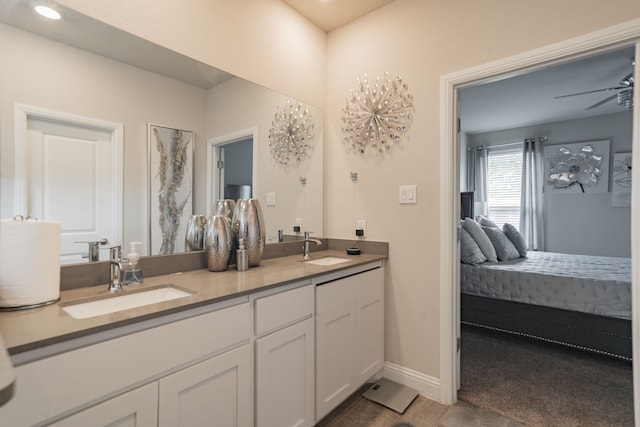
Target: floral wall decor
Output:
[(377, 114), (292, 134), (621, 180), (581, 167), (170, 193)]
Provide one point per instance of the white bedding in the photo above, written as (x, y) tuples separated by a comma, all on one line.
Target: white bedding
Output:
[(590, 284)]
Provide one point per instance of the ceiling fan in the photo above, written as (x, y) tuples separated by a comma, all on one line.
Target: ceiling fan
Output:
[(623, 95)]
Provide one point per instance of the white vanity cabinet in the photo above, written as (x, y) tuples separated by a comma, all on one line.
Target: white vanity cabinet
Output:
[(213, 392), (284, 350), (198, 362), (349, 333), (136, 408)]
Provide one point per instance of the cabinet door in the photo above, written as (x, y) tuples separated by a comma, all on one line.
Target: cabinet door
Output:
[(137, 408), (213, 392), (370, 328), (285, 377), (335, 355)]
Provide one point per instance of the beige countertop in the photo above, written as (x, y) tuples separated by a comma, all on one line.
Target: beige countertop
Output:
[(31, 329)]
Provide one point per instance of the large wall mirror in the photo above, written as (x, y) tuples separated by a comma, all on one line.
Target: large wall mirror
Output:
[(98, 79)]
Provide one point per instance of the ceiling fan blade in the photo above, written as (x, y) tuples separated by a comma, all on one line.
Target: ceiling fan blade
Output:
[(604, 101), (591, 91)]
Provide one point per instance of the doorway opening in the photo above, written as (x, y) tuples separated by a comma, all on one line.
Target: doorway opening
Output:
[(230, 167), (490, 330), (450, 158)]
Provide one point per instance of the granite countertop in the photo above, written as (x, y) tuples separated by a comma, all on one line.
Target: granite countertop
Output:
[(35, 328)]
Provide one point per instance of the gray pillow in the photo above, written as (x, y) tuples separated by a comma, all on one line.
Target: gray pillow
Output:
[(505, 249), (483, 220), (470, 252), (475, 230), (516, 238)]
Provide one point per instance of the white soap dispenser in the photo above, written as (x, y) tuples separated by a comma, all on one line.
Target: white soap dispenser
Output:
[(132, 275)]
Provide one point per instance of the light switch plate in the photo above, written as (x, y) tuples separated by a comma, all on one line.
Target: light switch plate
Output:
[(408, 194), (271, 198)]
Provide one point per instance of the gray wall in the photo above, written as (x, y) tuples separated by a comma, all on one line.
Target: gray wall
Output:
[(580, 223)]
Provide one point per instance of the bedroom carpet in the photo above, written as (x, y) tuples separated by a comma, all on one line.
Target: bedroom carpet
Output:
[(541, 384)]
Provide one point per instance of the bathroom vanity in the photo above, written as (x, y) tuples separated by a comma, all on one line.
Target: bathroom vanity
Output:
[(280, 344)]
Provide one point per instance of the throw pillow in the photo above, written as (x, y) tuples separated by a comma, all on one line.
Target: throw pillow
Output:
[(505, 249), (483, 220), (470, 252), (516, 238), (478, 234)]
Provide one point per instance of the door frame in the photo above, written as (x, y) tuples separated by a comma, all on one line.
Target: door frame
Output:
[(22, 113), (212, 160), (627, 33)]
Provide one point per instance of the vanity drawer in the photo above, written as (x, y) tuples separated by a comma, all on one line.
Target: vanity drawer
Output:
[(277, 310)]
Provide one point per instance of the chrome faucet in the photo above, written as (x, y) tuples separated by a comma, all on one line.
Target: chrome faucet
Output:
[(94, 249), (115, 283), (305, 247)]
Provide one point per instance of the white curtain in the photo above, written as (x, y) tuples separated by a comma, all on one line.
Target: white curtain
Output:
[(532, 202), (477, 177)]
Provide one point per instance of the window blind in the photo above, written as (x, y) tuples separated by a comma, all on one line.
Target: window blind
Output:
[(504, 182)]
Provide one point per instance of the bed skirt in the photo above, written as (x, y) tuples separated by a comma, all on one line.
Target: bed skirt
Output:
[(604, 335)]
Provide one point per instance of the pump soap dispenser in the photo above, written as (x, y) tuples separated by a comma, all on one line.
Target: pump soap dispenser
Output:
[(131, 273)]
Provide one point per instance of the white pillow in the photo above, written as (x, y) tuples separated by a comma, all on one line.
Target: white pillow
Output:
[(516, 238), (470, 252), (481, 239), (505, 249)]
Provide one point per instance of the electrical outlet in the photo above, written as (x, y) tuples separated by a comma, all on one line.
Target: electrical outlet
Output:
[(361, 224)]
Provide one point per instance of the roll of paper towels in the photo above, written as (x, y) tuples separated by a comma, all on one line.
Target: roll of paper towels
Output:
[(29, 262)]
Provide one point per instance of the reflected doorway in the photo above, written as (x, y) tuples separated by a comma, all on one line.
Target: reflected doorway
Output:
[(235, 173), (230, 168)]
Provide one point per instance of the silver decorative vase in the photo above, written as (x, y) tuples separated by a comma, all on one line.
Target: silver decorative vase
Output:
[(194, 238), (224, 207), (217, 242), (227, 207), (248, 224)]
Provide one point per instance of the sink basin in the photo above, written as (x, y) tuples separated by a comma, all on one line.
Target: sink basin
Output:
[(329, 260), (124, 301)]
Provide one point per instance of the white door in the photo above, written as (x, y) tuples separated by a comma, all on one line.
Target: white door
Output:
[(60, 153)]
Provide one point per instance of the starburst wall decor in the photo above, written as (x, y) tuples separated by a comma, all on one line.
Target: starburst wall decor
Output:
[(292, 133), (377, 114)]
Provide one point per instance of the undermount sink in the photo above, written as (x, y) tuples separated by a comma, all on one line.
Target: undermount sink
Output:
[(329, 260), (124, 301)]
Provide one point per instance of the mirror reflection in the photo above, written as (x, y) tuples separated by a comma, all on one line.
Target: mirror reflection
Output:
[(74, 140)]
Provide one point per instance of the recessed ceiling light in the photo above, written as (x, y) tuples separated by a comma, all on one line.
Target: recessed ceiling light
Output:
[(47, 12)]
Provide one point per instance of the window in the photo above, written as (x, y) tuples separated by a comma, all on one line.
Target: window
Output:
[(504, 184)]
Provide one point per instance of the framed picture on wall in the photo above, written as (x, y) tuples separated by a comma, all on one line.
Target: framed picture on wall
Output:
[(621, 180), (580, 167), (170, 187)]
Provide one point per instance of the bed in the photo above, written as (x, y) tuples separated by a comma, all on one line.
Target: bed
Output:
[(577, 300)]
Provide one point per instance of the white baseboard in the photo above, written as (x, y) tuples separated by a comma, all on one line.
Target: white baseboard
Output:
[(427, 386)]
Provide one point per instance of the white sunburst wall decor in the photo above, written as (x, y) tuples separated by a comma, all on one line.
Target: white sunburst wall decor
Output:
[(377, 114), (292, 133)]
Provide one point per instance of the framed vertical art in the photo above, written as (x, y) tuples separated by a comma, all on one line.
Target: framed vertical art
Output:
[(621, 180), (170, 187)]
